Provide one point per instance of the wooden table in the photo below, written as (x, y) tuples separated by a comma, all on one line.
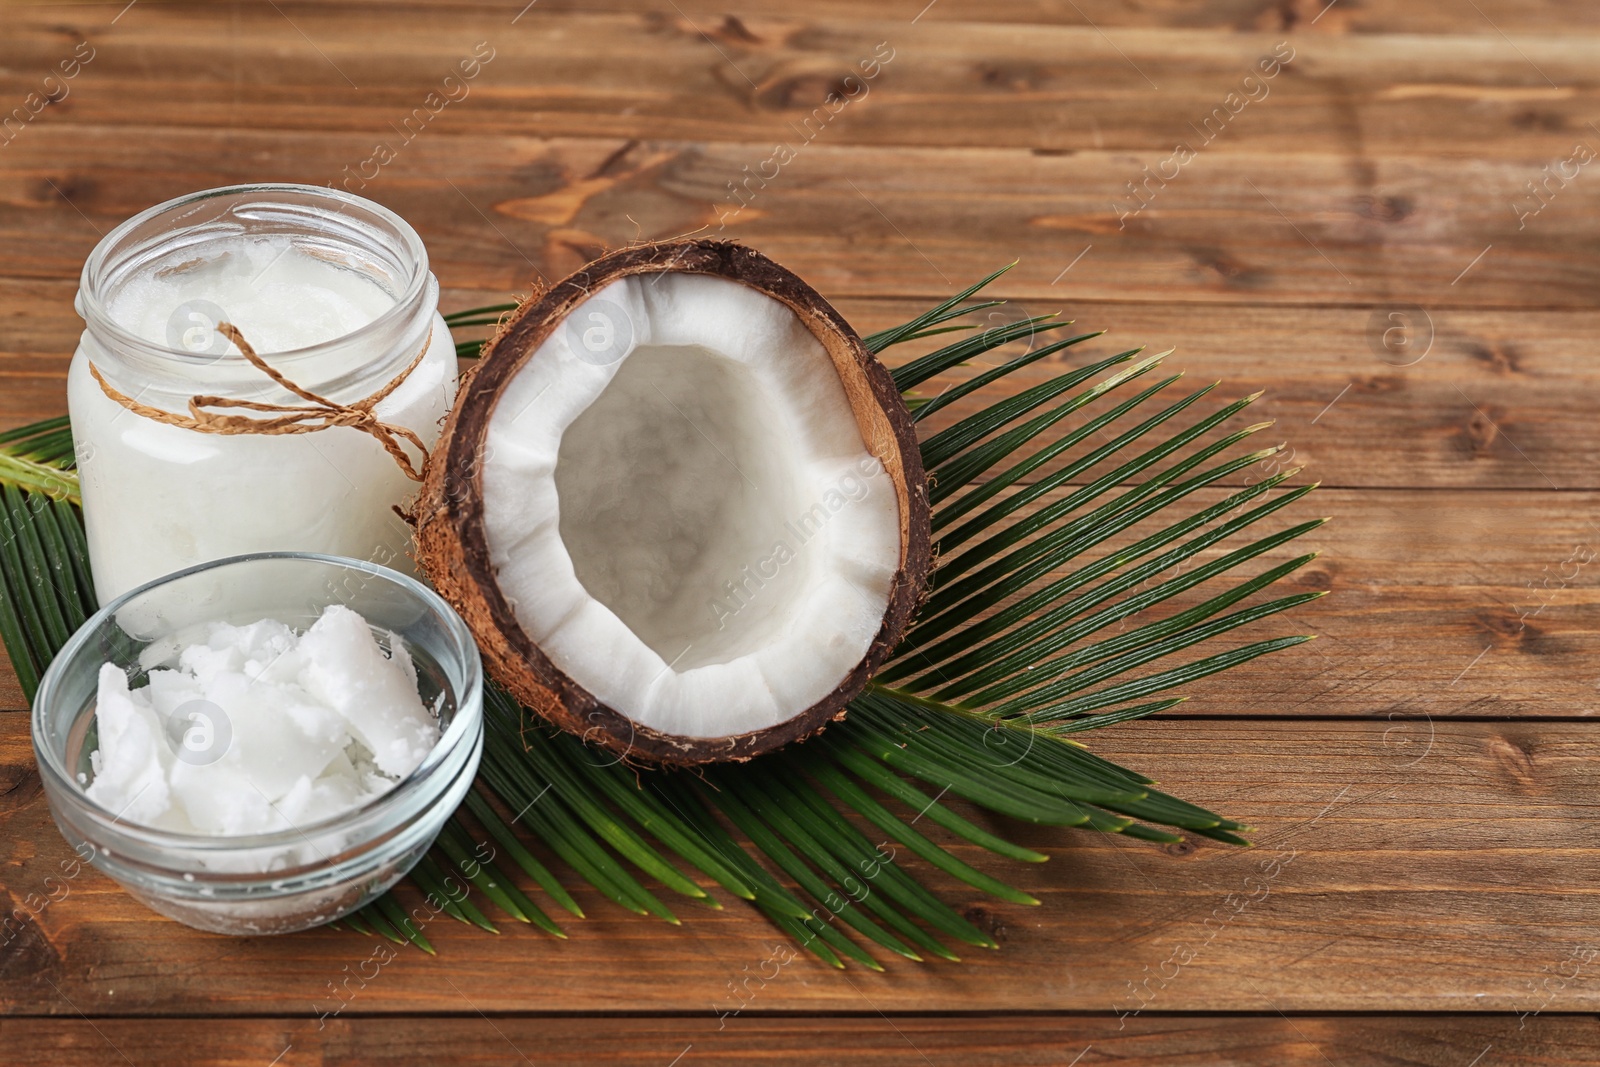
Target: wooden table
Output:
[(1354, 235)]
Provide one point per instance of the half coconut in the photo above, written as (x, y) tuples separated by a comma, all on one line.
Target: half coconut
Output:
[(680, 505)]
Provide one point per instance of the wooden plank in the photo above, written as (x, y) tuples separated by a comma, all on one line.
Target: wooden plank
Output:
[(500, 211), (955, 78), (1495, 399), (10, 691), (1443, 605), (1417, 17), (1390, 397), (1010, 1040), (38, 333), (1458, 881)]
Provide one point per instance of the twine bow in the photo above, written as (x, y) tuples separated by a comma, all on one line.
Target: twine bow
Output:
[(319, 414)]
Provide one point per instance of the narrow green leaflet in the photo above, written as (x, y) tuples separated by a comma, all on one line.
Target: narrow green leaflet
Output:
[(1089, 561)]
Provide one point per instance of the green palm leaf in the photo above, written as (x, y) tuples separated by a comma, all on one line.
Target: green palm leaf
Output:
[(35, 458), (1063, 600)]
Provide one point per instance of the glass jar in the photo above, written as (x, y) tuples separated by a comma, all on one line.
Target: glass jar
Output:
[(333, 291), (288, 879)]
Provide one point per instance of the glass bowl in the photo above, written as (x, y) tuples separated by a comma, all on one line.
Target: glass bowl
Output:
[(284, 880)]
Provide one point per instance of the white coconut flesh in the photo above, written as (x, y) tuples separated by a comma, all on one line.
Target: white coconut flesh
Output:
[(689, 525)]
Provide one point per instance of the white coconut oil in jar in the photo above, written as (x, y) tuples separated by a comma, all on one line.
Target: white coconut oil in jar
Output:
[(334, 293)]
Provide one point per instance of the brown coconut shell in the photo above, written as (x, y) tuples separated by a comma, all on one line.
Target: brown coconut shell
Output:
[(452, 547)]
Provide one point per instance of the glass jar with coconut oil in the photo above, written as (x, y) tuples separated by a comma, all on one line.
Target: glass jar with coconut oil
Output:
[(334, 294)]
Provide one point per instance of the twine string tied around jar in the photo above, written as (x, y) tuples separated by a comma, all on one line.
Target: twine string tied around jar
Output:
[(319, 413)]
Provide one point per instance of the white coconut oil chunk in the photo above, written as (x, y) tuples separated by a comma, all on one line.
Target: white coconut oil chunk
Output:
[(691, 527), (257, 728), (255, 280)]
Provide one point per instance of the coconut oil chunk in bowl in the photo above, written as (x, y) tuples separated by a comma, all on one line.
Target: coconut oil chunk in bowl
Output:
[(263, 743), (256, 728)]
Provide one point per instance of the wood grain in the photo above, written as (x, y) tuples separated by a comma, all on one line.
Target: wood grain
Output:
[(961, 79), (1495, 399), (1430, 17), (1243, 227), (1444, 605), (1394, 871), (11, 696), (1427, 763), (1010, 1040), (1441, 605)]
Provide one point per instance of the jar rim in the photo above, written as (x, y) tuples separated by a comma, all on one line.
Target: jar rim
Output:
[(97, 318), (464, 726)]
